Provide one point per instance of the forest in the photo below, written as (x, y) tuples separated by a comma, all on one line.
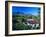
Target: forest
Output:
[(21, 21)]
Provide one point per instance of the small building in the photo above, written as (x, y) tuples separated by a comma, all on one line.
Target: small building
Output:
[(31, 21)]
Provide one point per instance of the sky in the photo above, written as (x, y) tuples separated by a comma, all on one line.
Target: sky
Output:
[(26, 10)]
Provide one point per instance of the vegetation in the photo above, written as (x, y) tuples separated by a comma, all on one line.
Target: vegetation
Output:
[(19, 20)]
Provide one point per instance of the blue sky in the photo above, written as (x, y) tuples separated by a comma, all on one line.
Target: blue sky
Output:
[(26, 10)]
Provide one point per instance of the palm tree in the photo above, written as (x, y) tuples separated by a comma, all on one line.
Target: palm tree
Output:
[(39, 15)]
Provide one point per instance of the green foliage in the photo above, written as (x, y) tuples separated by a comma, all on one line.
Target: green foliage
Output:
[(18, 22)]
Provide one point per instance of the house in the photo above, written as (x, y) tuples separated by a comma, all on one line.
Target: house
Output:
[(31, 21)]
